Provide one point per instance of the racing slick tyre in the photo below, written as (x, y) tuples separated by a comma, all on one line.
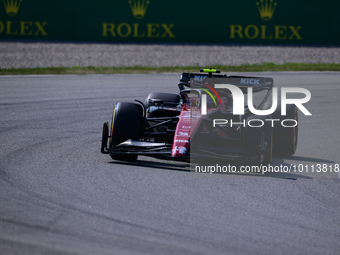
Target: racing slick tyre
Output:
[(285, 138), (126, 124), (259, 140)]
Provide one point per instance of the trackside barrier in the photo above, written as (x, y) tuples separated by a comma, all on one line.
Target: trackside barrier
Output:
[(191, 21)]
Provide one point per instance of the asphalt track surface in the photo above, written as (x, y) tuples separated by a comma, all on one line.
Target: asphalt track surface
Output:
[(59, 195)]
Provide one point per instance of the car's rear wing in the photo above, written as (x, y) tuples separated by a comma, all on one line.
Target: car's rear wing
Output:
[(243, 82)]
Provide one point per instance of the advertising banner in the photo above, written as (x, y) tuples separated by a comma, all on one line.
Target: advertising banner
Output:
[(248, 22)]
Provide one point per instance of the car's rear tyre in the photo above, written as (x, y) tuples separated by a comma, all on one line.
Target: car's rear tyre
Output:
[(285, 139), (259, 140), (127, 122)]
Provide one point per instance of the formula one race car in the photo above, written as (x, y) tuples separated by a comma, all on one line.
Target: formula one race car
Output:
[(202, 121)]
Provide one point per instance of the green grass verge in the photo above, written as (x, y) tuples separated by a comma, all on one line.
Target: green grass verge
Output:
[(177, 69)]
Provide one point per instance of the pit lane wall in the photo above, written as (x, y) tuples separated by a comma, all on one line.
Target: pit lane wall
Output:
[(191, 21)]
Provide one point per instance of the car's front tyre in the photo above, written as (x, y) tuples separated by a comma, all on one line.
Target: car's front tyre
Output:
[(127, 122)]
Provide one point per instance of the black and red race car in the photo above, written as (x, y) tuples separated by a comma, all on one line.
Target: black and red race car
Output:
[(200, 122)]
